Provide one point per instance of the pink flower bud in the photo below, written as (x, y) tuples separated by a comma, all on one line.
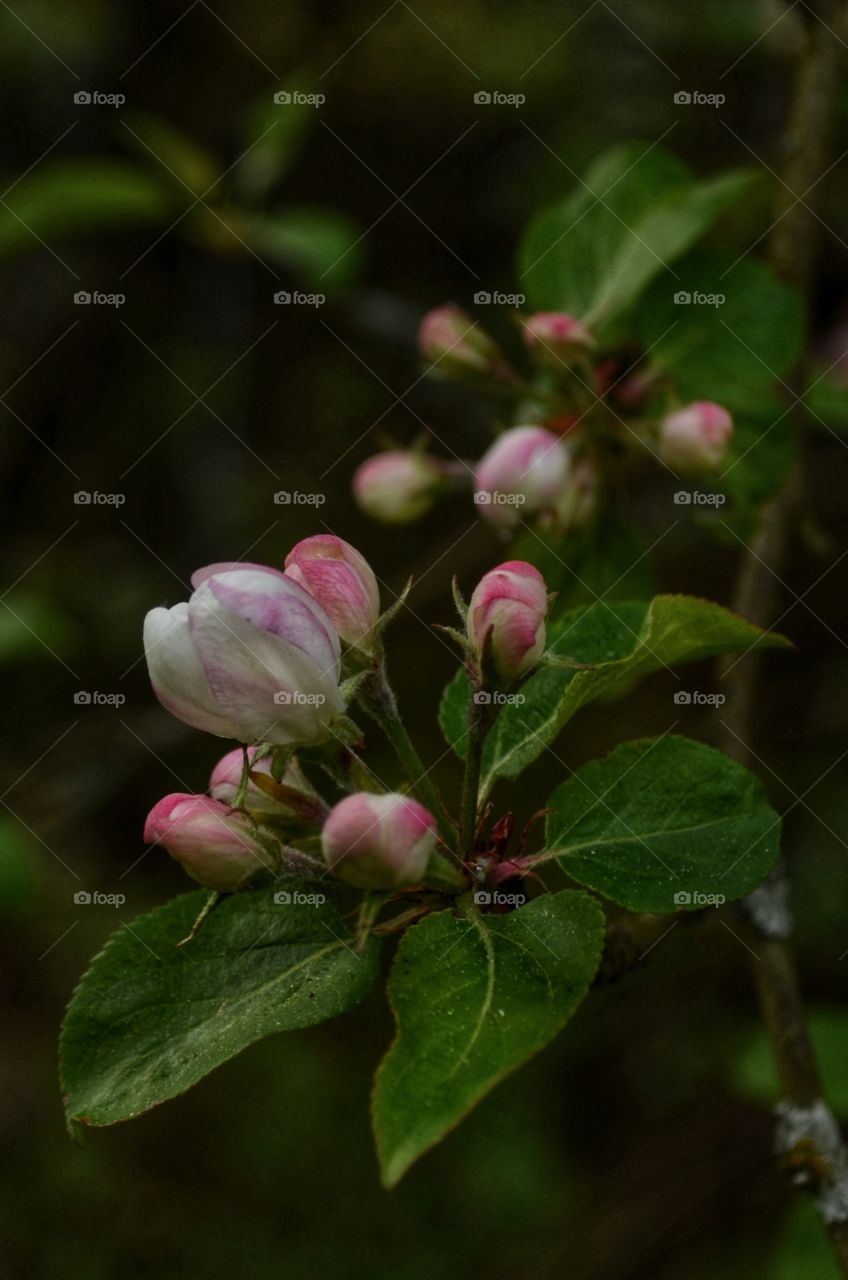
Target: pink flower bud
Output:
[(506, 618), (695, 438), (556, 338), (214, 845), (397, 487), (456, 343), (251, 656), (379, 842), (226, 779), (343, 583), (525, 471)]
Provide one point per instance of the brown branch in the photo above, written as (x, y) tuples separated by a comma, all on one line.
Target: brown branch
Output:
[(808, 1136)]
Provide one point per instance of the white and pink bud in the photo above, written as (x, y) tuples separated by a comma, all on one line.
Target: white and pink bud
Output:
[(506, 619), (214, 844), (695, 438), (453, 341), (343, 583), (524, 472), (270, 800), (398, 486), (252, 656), (556, 338), (379, 841)]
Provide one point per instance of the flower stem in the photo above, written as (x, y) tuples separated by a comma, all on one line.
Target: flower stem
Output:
[(479, 720), (378, 699)]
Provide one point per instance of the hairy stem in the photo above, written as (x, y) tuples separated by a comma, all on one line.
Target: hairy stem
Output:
[(808, 1137), (479, 720)]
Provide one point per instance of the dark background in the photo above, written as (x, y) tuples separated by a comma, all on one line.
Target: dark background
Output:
[(630, 1148)]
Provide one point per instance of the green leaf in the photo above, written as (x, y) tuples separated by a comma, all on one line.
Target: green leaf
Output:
[(624, 642), (149, 1020), (183, 160), (609, 558), (733, 352), (636, 212), (473, 999), (79, 197), (321, 245), (664, 823), (827, 401), (273, 138)]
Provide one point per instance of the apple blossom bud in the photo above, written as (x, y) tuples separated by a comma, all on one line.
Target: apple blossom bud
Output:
[(524, 472), (379, 841), (251, 656), (398, 486), (215, 845), (695, 438), (506, 619), (452, 340), (225, 781), (343, 583), (556, 337)]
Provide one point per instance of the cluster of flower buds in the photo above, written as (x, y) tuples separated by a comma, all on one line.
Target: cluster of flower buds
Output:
[(551, 466), (249, 633)]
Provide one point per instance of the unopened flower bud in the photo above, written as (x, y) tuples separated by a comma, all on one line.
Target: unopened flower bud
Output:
[(452, 340), (215, 846), (225, 781), (556, 338), (343, 583), (379, 841), (695, 438), (397, 487), (524, 472), (506, 619)]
